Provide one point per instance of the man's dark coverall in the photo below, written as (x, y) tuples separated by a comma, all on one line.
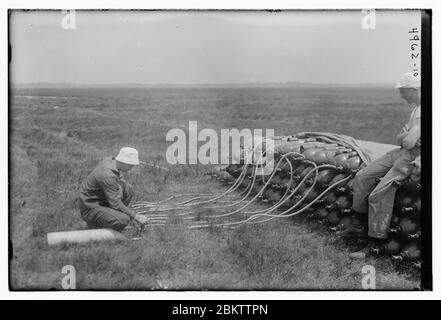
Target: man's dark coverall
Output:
[(105, 196)]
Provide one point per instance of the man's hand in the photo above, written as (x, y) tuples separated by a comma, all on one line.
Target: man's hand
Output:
[(141, 219), (403, 133), (405, 129), (418, 143), (417, 165)]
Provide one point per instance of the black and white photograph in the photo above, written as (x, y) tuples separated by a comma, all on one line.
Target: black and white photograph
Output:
[(220, 150)]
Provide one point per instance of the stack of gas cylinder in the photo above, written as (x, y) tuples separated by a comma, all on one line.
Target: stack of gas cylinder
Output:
[(333, 209)]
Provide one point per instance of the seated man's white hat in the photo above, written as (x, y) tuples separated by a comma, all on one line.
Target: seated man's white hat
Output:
[(409, 80)]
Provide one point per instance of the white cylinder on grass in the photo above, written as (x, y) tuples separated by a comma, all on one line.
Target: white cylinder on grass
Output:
[(84, 236)]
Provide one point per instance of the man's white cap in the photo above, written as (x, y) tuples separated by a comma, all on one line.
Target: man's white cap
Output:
[(408, 80), (128, 155)]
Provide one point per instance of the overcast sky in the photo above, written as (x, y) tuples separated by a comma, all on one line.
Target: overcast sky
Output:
[(210, 47)]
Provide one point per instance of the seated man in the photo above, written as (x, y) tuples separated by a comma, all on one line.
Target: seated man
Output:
[(105, 195), (394, 165)]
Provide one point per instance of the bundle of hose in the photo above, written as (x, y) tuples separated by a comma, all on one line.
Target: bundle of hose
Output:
[(284, 214), (84, 236), (247, 203), (182, 206), (229, 190), (286, 198), (272, 177), (283, 197), (243, 194), (283, 158), (287, 213), (236, 185), (181, 209), (276, 196), (298, 198), (216, 171), (163, 202), (187, 203)]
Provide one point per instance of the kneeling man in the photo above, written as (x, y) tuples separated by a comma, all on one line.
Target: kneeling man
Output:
[(105, 195)]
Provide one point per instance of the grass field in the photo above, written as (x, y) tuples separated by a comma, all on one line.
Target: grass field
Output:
[(52, 149)]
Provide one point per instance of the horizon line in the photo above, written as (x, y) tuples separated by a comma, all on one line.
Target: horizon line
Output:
[(203, 84)]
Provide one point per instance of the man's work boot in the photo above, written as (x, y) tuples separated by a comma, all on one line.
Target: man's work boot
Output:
[(357, 228), (363, 253), (353, 230)]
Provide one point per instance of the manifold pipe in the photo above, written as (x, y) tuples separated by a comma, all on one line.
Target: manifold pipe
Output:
[(84, 236)]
